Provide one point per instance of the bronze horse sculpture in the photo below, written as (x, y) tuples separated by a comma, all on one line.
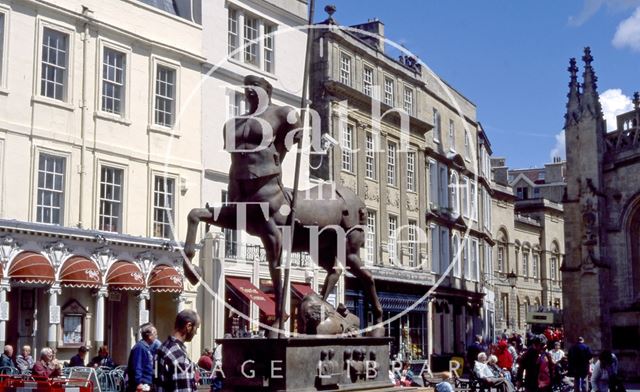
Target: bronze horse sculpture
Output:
[(329, 219)]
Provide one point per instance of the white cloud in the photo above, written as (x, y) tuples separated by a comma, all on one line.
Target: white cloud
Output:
[(559, 150), (614, 102), (628, 32), (592, 6)]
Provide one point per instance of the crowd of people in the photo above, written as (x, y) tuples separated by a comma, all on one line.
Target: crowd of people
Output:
[(540, 364), (152, 365)]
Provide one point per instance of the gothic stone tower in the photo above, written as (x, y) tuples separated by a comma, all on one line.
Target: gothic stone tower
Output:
[(585, 269)]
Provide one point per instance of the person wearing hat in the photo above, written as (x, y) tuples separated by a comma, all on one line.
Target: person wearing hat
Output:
[(79, 358)]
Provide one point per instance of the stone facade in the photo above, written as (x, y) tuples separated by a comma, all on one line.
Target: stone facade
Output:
[(94, 169), (601, 272), (529, 235), (411, 147)]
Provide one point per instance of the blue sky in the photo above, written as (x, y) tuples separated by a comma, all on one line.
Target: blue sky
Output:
[(510, 57)]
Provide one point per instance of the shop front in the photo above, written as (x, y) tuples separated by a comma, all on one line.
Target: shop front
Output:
[(75, 287)]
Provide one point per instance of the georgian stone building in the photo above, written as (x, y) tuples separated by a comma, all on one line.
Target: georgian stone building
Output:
[(601, 272), (529, 232), (97, 168), (412, 149)]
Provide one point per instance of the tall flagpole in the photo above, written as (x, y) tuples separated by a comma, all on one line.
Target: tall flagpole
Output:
[(296, 179)]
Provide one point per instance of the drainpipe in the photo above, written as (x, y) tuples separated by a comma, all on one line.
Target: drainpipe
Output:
[(86, 12)]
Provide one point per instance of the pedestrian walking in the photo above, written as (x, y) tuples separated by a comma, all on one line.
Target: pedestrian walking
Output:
[(175, 371), (140, 363), (579, 357)]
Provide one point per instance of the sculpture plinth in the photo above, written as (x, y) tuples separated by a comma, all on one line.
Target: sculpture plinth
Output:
[(306, 364)]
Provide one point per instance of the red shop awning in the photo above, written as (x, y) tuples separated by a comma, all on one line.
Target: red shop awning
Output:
[(251, 293), (78, 271), (165, 279), (301, 289), (31, 267), (124, 275)]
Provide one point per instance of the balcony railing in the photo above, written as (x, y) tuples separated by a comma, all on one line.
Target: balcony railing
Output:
[(250, 253)]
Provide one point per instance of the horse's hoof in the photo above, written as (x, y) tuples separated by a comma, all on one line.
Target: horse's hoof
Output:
[(192, 273), (376, 333)]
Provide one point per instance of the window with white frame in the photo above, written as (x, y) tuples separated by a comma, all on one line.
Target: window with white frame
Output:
[(251, 42), (244, 42), (347, 148), (535, 266), (475, 260), (392, 246), (236, 104), (465, 258), (488, 258), (487, 209), (454, 200), (165, 99), (464, 195), (452, 135), (444, 249), (113, 81), (501, 265), (435, 249), (455, 246), (55, 64), (345, 69), (2, 49), (554, 267), (233, 35), (473, 198), (163, 206), (268, 48), (525, 264), (467, 144), (110, 217), (50, 196), (230, 236), (411, 171), (388, 91), (433, 182), (391, 163), (413, 245), (437, 131), (370, 244), (367, 80), (370, 156), (443, 185), (408, 100)]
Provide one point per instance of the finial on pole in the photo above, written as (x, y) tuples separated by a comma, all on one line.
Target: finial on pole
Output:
[(330, 9), (636, 100)]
